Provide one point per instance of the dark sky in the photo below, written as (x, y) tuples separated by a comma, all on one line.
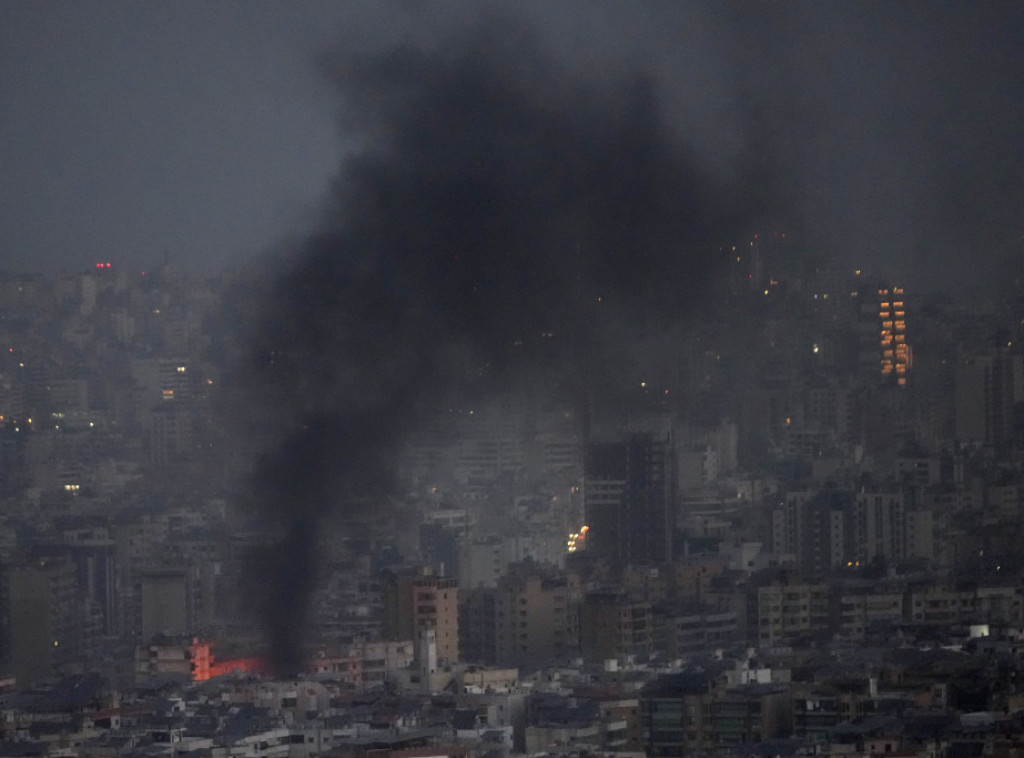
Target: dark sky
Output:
[(890, 132)]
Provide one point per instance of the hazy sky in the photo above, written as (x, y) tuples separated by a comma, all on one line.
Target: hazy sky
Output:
[(889, 132)]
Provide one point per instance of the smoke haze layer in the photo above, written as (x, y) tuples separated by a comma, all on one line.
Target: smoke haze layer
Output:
[(492, 199)]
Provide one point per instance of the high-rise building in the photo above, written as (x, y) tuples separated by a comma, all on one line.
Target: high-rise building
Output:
[(816, 529), (42, 626), (629, 498), (536, 616), (880, 525), (985, 392), (831, 529), (614, 625), (417, 600), (896, 357), (478, 625)]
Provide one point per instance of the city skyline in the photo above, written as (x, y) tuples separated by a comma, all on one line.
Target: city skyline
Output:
[(618, 317)]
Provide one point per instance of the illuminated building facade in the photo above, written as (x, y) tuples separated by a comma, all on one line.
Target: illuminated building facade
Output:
[(892, 316)]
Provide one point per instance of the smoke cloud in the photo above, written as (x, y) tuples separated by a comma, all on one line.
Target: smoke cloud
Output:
[(492, 198)]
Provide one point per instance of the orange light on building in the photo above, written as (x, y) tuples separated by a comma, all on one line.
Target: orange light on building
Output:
[(253, 665), (201, 658), (893, 326)]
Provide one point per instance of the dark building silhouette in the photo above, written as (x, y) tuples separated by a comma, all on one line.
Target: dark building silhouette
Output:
[(628, 498), (985, 392), (478, 625)]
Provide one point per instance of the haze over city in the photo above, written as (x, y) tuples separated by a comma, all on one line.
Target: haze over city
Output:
[(884, 132), (504, 379)]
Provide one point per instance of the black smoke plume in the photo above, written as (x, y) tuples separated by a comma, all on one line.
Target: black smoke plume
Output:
[(492, 197)]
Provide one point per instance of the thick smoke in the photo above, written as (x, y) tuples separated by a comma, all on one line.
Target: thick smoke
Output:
[(492, 198)]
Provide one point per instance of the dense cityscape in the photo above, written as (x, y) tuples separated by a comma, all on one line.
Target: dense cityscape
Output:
[(488, 379), (796, 532)]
